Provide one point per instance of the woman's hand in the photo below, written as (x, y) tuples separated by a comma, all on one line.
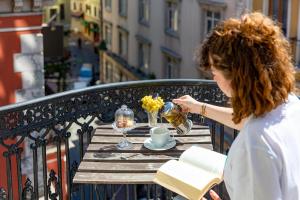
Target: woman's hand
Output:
[(220, 114), (188, 104), (213, 195)]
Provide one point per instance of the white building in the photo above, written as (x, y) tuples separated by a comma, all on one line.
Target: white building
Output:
[(157, 38)]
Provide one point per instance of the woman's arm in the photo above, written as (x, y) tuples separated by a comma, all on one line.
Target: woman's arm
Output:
[(222, 115), (218, 113)]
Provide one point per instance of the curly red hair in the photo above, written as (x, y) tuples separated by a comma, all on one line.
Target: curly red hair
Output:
[(253, 53)]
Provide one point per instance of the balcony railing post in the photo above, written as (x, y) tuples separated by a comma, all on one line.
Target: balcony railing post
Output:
[(213, 134), (67, 150), (19, 171), (59, 169), (222, 138), (44, 157), (35, 170), (7, 155), (235, 133)]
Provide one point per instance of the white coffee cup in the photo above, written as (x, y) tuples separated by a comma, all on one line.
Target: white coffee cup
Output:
[(159, 136)]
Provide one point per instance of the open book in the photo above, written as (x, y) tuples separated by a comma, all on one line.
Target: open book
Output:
[(197, 170)]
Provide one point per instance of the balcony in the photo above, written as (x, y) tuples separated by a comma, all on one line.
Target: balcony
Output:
[(49, 124)]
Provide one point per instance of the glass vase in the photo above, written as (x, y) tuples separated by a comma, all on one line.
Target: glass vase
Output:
[(152, 118)]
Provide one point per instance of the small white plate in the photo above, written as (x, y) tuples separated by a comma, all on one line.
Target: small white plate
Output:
[(149, 145)]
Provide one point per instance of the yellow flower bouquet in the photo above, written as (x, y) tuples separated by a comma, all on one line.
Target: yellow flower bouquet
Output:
[(152, 106)]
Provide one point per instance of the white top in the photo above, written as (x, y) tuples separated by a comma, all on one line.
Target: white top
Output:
[(264, 160)]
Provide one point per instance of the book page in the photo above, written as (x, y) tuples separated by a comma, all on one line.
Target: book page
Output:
[(189, 174), (204, 158)]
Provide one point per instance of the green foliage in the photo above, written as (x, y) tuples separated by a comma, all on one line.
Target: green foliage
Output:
[(60, 67), (152, 76)]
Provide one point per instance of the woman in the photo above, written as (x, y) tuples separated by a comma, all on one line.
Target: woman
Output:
[(250, 60)]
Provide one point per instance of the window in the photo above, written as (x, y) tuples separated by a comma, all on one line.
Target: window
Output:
[(144, 56), (107, 5), (80, 7), (278, 11), (74, 6), (171, 61), (123, 8), (211, 20), (53, 12), (88, 9), (123, 43), (108, 35), (171, 67), (62, 11), (172, 16), (95, 11), (108, 71), (144, 11), (212, 12)]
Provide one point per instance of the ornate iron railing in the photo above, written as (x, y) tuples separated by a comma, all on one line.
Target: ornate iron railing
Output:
[(50, 121)]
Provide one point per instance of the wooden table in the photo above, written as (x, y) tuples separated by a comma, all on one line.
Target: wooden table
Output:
[(103, 163)]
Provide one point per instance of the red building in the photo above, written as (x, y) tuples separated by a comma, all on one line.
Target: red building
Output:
[(21, 60)]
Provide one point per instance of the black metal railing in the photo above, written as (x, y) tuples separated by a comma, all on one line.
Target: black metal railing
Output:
[(52, 121)]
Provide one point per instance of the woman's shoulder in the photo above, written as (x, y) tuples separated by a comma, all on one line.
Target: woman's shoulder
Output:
[(276, 126), (277, 116)]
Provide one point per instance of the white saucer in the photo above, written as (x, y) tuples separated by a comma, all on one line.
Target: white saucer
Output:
[(149, 145)]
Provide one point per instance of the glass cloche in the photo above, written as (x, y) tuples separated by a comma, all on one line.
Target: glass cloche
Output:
[(124, 117), (124, 121)]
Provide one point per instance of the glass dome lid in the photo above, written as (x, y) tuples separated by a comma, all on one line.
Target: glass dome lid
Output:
[(124, 111), (124, 117)]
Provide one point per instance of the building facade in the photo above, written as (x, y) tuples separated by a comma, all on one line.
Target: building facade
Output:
[(287, 13), (157, 39), (85, 18), (21, 46), (60, 12)]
